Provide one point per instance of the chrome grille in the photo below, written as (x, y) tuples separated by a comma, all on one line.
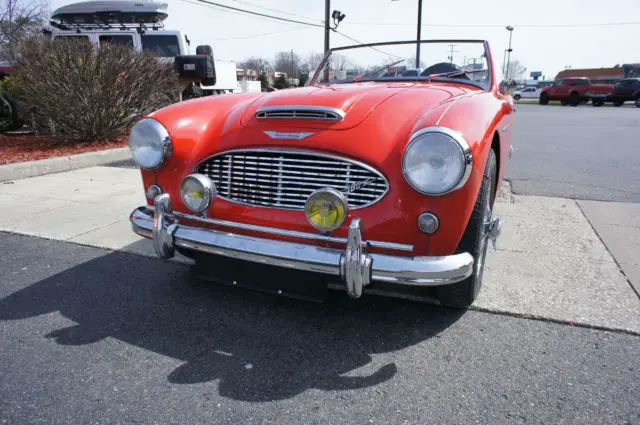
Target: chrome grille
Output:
[(284, 179), (320, 113)]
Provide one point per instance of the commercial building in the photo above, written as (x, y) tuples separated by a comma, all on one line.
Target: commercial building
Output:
[(603, 75)]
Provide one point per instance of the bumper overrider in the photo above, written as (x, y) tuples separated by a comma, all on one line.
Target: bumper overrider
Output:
[(354, 265)]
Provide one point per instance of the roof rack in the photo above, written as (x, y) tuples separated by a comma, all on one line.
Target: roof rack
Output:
[(114, 14)]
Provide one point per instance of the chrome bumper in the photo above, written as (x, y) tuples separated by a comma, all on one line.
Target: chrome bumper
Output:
[(353, 265)]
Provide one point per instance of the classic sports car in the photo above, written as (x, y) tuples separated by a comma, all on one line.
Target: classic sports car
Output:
[(380, 181)]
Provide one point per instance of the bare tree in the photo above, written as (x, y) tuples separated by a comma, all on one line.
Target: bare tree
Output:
[(516, 70), (311, 62), (287, 62), (19, 19), (258, 64)]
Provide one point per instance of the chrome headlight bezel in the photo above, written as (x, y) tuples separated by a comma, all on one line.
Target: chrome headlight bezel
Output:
[(160, 143), (459, 141), (209, 191)]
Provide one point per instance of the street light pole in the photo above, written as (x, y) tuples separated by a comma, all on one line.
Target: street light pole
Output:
[(510, 29), (419, 27), (327, 28)]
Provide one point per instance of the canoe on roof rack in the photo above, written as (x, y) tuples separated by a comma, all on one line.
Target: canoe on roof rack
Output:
[(111, 12)]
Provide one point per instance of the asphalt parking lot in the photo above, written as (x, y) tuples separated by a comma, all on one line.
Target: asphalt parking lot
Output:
[(576, 152), (97, 331)]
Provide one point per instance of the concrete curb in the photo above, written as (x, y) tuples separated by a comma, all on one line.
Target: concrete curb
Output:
[(23, 170)]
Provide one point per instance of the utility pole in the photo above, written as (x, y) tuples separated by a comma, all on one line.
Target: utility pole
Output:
[(510, 29), (293, 71), (419, 27), (451, 56), (327, 28)]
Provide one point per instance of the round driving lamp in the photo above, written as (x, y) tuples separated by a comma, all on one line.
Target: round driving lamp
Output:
[(198, 192), (326, 209)]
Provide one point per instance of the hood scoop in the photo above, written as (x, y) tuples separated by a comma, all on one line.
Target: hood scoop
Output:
[(300, 112)]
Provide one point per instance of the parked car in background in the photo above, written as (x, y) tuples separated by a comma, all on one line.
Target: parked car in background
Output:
[(526, 93), (370, 182), (624, 91), (574, 91)]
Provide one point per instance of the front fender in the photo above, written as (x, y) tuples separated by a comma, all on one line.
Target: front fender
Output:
[(478, 118)]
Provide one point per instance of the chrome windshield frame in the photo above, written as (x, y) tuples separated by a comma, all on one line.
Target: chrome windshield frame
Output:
[(485, 44)]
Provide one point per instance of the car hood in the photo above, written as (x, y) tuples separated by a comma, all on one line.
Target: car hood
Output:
[(355, 101)]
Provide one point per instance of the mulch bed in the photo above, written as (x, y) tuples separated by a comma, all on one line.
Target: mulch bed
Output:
[(21, 148)]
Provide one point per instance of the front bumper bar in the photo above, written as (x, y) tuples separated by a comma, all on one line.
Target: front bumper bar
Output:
[(353, 265)]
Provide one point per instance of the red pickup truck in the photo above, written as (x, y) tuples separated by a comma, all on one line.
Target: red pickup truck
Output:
[(573, 91)]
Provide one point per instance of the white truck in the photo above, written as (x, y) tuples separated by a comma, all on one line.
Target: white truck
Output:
[(139, 24)]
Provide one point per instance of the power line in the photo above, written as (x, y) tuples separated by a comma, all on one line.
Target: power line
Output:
[(605, 24), (264, 15), (272, 9), (360, 42), (264, 34)]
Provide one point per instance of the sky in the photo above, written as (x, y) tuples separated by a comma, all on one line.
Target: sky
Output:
[(548, 35)]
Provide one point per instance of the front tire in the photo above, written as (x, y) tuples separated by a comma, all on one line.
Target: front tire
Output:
[(574, 99), (637, 102), (516, 97), (475, 241), (544, 99)]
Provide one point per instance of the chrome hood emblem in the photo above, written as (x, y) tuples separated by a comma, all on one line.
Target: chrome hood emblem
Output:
[(287, 136)]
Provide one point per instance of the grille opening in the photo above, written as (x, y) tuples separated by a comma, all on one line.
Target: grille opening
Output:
[(284, 179)]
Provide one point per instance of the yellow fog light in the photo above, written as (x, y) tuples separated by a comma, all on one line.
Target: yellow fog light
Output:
[(198, 192), (326, 209)]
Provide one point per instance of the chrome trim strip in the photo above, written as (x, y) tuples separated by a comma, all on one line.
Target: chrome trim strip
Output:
[(291, 233), (331, 114), (295, 152), (464, 146), (354, 264)]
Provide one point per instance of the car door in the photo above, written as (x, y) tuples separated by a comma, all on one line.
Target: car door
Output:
[(555, 91), (626, 90), (530, 93), (635, 89)]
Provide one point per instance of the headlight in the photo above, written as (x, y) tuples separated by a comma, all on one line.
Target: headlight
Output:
[(198, 192), (326, 209), (436, 161), (149, 143)]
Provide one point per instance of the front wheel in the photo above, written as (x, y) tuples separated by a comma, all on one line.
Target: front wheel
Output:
[(544, 99), (475, 241), (637, 102), (574, 99), (516, 97)]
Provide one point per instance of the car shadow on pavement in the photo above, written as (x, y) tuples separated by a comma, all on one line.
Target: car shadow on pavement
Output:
[(260, 347)]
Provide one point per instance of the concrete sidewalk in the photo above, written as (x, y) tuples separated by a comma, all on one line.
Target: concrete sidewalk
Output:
[(549, 264)]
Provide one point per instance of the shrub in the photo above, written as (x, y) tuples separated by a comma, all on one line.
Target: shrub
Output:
[(84, 93)]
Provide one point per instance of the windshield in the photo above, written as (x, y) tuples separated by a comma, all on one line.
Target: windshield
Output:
[(442, 60)]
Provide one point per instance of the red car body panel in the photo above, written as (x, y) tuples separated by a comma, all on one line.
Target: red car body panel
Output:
[(380, 117)]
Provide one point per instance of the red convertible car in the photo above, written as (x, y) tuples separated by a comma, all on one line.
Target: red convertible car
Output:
[(378, 181)]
